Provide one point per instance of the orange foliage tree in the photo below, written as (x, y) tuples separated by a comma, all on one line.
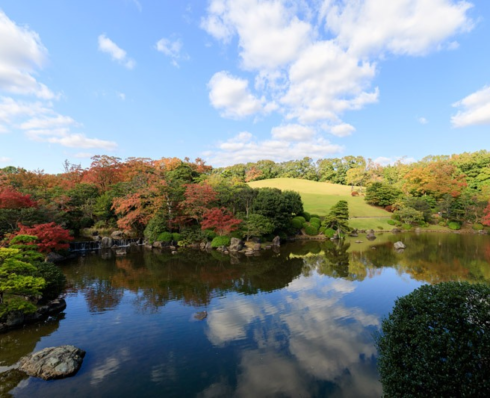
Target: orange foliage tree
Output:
[(50, 236), (197, 200), (12, 199), (220, 220)]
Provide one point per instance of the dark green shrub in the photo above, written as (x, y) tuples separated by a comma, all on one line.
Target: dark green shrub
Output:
[(436, 343), (329, 232), (306, 215), (210, 235), (55, 280), (391, 222), (314, 216), (176, 237), (321, 230), (221, 241), (311, 230), (165, 237), (297, 222), (86, 222), (454, 225), (478, 227), (237, 234), (315, 221), (407, 226), (442, 223)]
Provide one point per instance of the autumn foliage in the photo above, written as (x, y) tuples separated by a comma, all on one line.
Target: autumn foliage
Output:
[(50, 236), (220, 220), (486, 218), (12, 199)]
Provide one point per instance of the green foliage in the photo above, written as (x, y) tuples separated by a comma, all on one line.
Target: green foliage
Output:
[(165, 237), (321, 230), (477, 227), (297, 222), (442, 223), (156, 225), (220, 241), (338, 218), (311, 230), (55, 280), (306, 216), (16, 304), (407, 226), (391, 222), (329, 232), (436, 342), (315, 221), (209, 234), (314, 216), (454, 225), (409, 215), (258, 225), (379, 194), (176, 236)]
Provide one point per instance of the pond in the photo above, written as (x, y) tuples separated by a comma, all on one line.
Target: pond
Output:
[(297, 322)]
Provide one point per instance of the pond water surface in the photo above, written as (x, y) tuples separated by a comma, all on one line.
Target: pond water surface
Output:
[(298, 322)]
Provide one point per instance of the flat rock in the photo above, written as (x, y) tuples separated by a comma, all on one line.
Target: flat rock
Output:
[(399, 246), (53, 362)]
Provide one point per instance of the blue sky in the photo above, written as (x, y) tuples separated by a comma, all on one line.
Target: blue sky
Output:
[(241, 80)]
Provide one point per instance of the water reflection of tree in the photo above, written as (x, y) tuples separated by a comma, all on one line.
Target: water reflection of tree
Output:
[(193, 277)]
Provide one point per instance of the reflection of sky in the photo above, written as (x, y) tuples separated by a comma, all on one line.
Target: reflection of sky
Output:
[(307, 331)]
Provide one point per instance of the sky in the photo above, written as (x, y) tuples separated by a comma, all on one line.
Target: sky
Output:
[(233, 81)]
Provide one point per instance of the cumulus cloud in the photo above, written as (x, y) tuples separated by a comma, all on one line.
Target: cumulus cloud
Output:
[(474, 109), (172, 49), (293, 132), (21, 55), (107, 46), (315, 61), (385, 161), (246, 148), (232, 96)]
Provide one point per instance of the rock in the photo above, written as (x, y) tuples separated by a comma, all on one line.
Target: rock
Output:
[(53, 258), (370, 235), (268, 247), (361, 231), (276, 241), (117, 235), (208, 246), (14, 318), (174, 252), (202, 245), (53, 362), (114, 246), (236, 245), (121, 252), (158, 244), (358, 241), (173, 248), (106, 243), (353, 235), (249, 252), (257, 247), (399, 245), (133, 244), (201, 316), (96, 238), (396, 230)]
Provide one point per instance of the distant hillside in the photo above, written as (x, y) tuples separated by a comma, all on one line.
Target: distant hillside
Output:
[(319, 197)]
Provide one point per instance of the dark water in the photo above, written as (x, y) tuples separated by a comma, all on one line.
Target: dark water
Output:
[(293, 323)]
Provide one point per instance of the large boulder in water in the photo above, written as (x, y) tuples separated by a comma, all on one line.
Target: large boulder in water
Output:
[(399, 246), (53, 362), (276, 241), (106, 243), (236, 245)]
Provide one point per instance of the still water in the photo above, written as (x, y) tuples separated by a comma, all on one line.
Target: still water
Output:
[(297, 322)]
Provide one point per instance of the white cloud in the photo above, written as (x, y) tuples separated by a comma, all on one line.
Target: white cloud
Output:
[(270, 34), (81, 141), (21, 54), (11, 110), (245, 148), (107, 46), (46, 122), (293, 132), (4, 159), (316, 60), (232, 97), (474, 109), (121, 96), (422, 120), (172, 49), (385, 161), (408, 27)]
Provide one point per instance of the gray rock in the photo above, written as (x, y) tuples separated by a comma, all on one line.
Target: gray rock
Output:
[(54, 258), (399, 245), (276, 241), (106, 242), (158, 244), (236, 245), (117, 235), (208, 246), (257, 247), (53, 362), (370, 235), (396, 230), (15, 318)]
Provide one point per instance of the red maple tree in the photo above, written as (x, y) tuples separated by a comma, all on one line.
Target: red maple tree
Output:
[(12, 199), (50, 236), (220, 220), (197, 200)]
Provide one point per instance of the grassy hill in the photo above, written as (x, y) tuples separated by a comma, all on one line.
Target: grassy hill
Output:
[(319, 197)]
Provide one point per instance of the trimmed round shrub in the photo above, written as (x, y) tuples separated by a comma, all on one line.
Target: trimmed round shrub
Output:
[(311, 230), (442, 223), (176, 237), (329, 232), (321, 230), (436, 342), (297, 222), (454, 225), (315, 221), (221, 241), (478, 227), (407, 226), (391, 222), (55, 280), (306, 215), (165, 237)]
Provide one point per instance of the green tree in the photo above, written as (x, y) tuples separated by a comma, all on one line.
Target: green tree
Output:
[(338, 218), (258, 225)]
